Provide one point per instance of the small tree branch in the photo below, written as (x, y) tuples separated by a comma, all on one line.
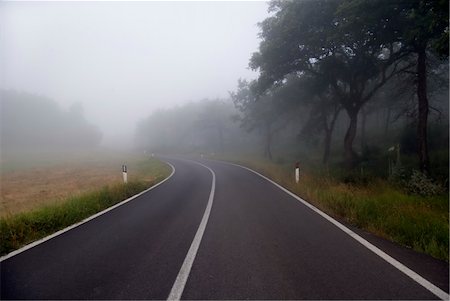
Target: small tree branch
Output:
[(385, 79)]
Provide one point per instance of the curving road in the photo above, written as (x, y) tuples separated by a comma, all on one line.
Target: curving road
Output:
[(218, 231)]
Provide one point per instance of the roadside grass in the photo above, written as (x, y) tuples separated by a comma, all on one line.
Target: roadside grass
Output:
[(421, 223), (36, 180), (20, 229)]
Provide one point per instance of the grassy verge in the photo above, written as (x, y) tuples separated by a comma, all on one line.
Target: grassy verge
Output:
[(41, 180), (22, 228), (421, 223)]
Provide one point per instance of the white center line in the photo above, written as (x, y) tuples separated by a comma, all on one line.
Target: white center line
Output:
[(183, 274)]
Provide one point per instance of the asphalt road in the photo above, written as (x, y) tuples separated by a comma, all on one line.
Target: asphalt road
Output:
[(258, 243)]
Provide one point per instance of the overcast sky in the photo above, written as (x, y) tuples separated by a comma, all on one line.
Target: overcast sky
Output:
[(122, 60)]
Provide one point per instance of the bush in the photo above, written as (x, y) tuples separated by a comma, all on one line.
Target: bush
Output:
[(420, 184)]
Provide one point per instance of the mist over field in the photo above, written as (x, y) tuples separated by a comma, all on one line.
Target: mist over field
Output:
[(119, 62), (287, 81)]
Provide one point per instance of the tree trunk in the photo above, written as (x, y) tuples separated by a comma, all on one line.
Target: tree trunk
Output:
[(326, 152), (350, 155), (328, 134), (363, 130), (422, 141)]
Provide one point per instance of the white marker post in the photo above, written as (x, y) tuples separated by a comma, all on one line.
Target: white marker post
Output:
[(124, 173), (297, 172)]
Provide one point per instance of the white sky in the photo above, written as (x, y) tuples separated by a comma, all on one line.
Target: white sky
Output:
[(122, 60)]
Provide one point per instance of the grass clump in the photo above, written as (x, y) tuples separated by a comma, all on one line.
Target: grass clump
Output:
[(23, 228)]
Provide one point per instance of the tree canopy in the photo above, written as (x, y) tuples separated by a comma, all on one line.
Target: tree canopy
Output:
[(354, 47)]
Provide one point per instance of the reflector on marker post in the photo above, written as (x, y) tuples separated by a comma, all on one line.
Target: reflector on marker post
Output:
[(297, 172), (124, 173)]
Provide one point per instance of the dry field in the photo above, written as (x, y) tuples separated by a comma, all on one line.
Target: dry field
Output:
[(28, 187)]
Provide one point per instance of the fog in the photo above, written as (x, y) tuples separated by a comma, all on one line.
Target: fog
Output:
[(122, 61), (318, 81)]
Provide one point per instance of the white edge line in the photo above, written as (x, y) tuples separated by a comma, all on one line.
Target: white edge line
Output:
[(183, 274), (401, 267), (42, 240)]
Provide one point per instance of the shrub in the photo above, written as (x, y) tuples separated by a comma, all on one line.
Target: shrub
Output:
[(420, 184)]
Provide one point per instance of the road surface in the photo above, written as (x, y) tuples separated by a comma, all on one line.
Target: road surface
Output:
[(215, 231)]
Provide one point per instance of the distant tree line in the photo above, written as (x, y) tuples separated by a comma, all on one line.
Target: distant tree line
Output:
[(205, 126), (31, 123)]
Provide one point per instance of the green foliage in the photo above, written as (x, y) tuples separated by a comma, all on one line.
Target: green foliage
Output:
[(352, 48), (415, 182), (352, 57)]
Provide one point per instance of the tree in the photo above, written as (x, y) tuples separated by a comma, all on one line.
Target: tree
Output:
[(315, 38), (325, 110), (213, 118), (421, 27), (260, 113), (313, 93), (426, 29)]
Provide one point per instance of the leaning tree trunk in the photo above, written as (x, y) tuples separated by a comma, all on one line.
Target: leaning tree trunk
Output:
[(328, 135), (422, 141), (350, 155)]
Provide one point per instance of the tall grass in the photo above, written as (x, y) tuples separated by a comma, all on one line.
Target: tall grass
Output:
[(418, 222), (23, 228)]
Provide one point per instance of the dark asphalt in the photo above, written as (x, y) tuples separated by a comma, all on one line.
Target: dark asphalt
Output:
[(132, 252), (263, 244), (259, 243)]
